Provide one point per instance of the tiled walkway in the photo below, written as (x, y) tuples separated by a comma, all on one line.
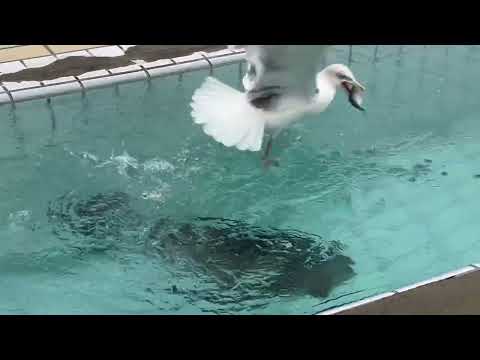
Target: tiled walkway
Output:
[(22, 52), (46, 62)]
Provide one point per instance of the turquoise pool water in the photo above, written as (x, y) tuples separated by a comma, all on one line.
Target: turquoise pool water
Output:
[(397, 186)]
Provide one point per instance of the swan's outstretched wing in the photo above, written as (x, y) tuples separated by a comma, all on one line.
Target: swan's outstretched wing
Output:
[(276, 71), (280, 78)]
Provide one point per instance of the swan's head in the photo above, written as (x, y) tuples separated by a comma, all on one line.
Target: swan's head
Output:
[(341, 77)]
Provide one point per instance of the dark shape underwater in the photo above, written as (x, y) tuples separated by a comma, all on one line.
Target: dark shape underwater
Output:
[(231, 261)]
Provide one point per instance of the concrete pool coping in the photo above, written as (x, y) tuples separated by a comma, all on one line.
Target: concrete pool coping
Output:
[(44, 71), (453, 293), (14, 88)]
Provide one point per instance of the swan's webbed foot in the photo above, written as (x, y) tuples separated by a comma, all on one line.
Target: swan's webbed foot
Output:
[(267, 163)]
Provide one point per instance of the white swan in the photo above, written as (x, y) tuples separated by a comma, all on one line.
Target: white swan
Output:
[(282, 84)]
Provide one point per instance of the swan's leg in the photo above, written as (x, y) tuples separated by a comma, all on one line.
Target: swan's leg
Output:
[(268, 148), (266, 161)]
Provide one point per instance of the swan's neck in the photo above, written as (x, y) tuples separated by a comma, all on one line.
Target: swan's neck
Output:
[(325, 93)]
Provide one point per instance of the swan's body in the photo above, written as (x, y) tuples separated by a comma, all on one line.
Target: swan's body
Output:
[(283, 83)]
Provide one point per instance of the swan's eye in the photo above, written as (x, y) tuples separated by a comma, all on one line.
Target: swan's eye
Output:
[(343, 77)]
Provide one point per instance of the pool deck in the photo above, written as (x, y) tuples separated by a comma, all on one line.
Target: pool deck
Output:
[(36, 67), (454, 293), (45, 71), (47, 62)]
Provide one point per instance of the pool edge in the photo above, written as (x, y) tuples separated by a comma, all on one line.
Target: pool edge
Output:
[(377, 304), (17, 92)]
